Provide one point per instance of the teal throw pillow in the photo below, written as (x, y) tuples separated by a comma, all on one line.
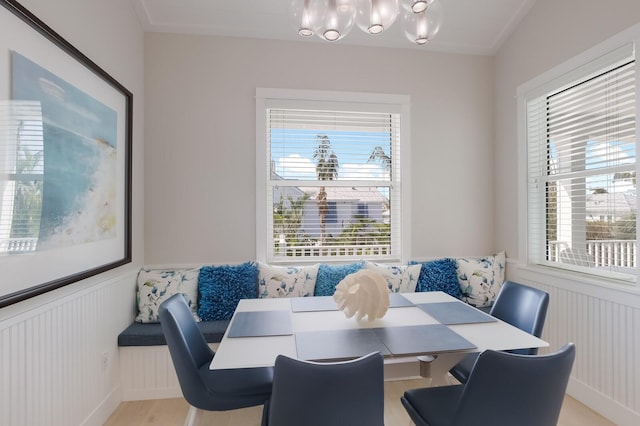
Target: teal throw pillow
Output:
[(439, 275), (330, 275), (222, 287)]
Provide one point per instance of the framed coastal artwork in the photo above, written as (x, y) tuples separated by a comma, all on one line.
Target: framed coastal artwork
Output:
[(65, 161)]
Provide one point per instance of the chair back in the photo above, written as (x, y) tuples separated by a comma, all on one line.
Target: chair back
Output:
[(320, 394), (512, 389), (188, 348), (523, 307)]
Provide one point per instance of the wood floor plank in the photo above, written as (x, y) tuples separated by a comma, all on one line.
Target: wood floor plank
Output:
[(172, 412)]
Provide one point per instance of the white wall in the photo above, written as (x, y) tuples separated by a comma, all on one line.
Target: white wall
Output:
[(200, 139), (51, 345), (603, 320)]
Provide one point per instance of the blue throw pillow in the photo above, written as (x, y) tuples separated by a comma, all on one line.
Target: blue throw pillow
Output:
[(439, 275), (222, 287), (330, 275)]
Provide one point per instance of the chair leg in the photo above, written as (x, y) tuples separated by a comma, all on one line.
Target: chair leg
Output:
[(193, 416), (265, 414)]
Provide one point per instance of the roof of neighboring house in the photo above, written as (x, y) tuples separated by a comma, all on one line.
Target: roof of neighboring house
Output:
[(356, 193), (364, 194), (624, 204)]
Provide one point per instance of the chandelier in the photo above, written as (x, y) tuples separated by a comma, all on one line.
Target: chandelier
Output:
[(332, 20)]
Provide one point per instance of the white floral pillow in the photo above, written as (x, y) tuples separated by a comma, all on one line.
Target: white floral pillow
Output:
[(156, 286), (481, 279), (286, 281), (401, 279)]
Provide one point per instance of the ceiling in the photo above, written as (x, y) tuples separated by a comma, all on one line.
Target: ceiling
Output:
[(469, 26)]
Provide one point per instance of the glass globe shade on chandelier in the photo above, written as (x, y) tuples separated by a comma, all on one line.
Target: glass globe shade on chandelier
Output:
[(332, 20)]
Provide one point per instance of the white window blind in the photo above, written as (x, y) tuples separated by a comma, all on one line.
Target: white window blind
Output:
[(333, 188), (581, 138)]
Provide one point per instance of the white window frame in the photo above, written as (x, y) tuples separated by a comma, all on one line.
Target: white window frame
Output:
[(566, 73), (263, 95)]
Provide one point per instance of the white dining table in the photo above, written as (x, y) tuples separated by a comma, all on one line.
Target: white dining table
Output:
[(262, 329)]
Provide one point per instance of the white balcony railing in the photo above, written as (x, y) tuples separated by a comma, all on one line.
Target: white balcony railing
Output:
[(600, 253), (18, 245), (613, 252), (337, 251)]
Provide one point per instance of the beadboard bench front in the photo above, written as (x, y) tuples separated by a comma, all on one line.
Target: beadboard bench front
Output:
[(148, 373)]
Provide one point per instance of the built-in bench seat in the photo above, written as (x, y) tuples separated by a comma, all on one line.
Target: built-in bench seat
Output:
[(145, 364), (150, 334)]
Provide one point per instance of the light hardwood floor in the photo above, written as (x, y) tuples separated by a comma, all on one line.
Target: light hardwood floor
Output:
[(170, 412)]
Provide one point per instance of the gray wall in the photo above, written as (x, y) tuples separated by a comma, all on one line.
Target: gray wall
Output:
[(200, 139)]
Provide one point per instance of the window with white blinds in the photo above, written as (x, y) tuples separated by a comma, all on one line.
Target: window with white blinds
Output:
[(581, 139), (332, 186)]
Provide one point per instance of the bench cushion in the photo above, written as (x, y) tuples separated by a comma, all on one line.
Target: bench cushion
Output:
[(150, 334)]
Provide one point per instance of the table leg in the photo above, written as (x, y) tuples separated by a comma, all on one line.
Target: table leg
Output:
[(441, 365)]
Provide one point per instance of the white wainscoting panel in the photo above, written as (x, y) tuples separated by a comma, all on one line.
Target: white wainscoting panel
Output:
[(59, 360), (604, 323), (146, 372)]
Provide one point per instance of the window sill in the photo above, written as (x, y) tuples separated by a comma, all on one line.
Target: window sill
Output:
[(625, 292)]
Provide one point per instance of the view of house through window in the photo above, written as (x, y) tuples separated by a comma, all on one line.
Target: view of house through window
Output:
[(333, 185), (582, 171)]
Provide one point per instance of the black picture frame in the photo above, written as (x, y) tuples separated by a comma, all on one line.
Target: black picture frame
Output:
[(72, 251)]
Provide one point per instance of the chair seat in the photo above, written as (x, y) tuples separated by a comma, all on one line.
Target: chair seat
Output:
[(462, 369), (437, 404)]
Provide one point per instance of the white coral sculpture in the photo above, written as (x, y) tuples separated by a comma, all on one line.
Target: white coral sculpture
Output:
[(363, 293)]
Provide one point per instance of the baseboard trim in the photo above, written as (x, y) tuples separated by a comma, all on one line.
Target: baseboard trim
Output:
[(601, 404), (101, 413), (151, 393)]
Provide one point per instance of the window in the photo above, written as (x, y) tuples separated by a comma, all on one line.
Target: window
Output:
[(330, 180), (581, 167)]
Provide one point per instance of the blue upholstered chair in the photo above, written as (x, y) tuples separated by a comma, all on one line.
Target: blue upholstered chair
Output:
[(519, 305), (205, 389), (327, 394), (503, 389)]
